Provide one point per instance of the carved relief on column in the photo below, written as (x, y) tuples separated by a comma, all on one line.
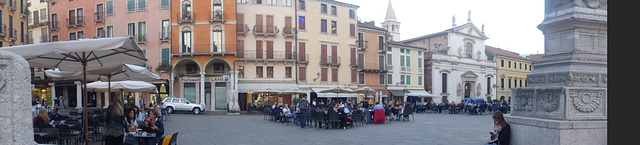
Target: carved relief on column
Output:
[(586, 103), (522, 100), (549, 99)]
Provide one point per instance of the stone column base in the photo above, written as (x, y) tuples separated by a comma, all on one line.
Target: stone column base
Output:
[(527, 130)]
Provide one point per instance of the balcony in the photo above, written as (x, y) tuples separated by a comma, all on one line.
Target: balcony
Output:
[(403, 68), (12, 6), (381, 48), (420, 70), (303, 59), (266, 55), (99, 17), (362, 44), (408, 70), (141, 38), (75, 21), (54, 25), (165, 36), (372, 67), (29, 39), (390, 68), (24, 13), (44, 38), (242, 29), (288, 31), (329, 60), (185, 17), (217, 16), (3, 31), (353, 63), (202, 50), (14, 36), (265, 30)]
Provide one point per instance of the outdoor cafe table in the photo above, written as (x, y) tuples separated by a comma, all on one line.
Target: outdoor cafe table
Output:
[(141, 136)]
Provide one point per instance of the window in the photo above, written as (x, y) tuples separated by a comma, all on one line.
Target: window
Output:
[(529, 65), (302, 5), (54, 38), (352, 13), (334, 27), (381, 43), (256, 1), (72, 36), (515, 65), (407, 51), (389, 79), (165, 56), (80, 34), (408, 61), (100, 32), (324, 74), (488, 85), (240, 71), (258, 71), (286, 2), (502, 83), (142, 32), (323, 8), (334, 75), (352, 30), (131, 5), (361, 78), (402, 80), (109, 31), (165, 3), (515, 82), (142, 5), (302, 73), (419, 62), (408, 80), (271, 2), (186, 41), (520, 82), (419, 53), (165, 30), (301, 23), (469, 50), (525, 66), (509, 82), (334, 10), (287, 72), (217, 40), (509, 64), (520, 66), (323, 26), (110, 8), (501, 63), (444, 83), (402, 60), (269, 71), (420, 80), (389, 59), (131, 29)]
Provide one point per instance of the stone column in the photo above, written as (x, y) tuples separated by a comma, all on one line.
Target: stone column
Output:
[(106, 99), (15, 117), (566, 100), (202, 101), (53, 94), (78, 94), (136, 95), (171, 81)]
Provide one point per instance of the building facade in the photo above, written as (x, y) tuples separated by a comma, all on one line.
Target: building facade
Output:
[(406, 72), (512, 70), (37, 22), (148, 22), (369, 58), (456, 64), (326, 34), (203, 51), (266, 55)]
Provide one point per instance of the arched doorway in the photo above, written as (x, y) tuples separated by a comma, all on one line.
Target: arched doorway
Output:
[(216, 83), (186, 79)]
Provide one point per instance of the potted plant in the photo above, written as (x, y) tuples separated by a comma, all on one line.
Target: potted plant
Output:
[(164, 68)]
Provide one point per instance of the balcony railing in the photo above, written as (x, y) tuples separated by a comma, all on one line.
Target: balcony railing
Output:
[(421, 71), (390, 67), (99, 17), (54, 25), (24, 13), (362, 44), (408, 69), (242, 29), (3, 31), (12, 6), (164, 36), (403, 68), (185, 17), (266, 55), (372, 67), (329, 60), (303, 58), (216, 16), (203, 49), (288, 31), (14, 35), (75, 21), (265, 30), (44, 38)]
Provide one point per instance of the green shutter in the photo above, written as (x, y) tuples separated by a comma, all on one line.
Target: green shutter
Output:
[(408, 80), (401, 60), (165, 56), (389, 79), (389, 59), (419, 62), (408, 61), (420, 80)]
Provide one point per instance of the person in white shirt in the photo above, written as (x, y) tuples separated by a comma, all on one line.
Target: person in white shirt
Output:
[(288, 113)]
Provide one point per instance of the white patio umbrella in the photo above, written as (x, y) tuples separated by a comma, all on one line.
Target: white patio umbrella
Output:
[(85, 54), (364, 90), (267, 90), (130, 86), (295, 91), (336, 90)]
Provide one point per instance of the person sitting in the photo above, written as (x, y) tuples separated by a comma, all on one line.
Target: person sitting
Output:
[(153, 125), (288, 113), (343, 117), (140, 114), (333, 114), (42, 118), (54, 115)]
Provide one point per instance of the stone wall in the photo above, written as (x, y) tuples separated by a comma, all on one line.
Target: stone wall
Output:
[(15, 103)]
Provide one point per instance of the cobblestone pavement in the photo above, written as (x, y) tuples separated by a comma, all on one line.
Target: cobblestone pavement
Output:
[(212, 128)]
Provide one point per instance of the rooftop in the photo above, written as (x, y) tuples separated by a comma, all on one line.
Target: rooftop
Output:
[(505, 53)]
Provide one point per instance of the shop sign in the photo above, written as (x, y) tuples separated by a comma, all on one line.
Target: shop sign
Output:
[(197, 79)]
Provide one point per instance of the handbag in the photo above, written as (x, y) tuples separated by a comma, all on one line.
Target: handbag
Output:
[(128, 139)]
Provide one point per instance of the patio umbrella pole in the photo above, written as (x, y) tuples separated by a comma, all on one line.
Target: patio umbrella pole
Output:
[(84, 97)]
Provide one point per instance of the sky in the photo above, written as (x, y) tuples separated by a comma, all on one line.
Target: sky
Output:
[(509, 24)]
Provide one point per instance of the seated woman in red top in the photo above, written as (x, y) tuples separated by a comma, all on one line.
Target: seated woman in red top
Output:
[(42, 118)]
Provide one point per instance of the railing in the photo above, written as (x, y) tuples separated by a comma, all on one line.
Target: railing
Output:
[(242, 29), (75, 21), (390, 67), (165, 36), (403, 68), (288, 31), (24, 13), (141, 38), (362, 44), (54, 25), (99, 17), (303, 58), (14, 35), (266, 55), (217, 16), (29, 39), (203, 49), (3, 31), (353, 63), (266, 30), (381, 48), (12, 6), (329, 60), (421, 71), (185, 17), (372, 66), (408, 69), (44, 38)]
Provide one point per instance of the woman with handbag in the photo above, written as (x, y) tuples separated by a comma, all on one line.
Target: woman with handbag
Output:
[(115, 123)]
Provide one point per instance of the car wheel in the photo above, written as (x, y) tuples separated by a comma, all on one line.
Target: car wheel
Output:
[(196, 111), (169, 110)]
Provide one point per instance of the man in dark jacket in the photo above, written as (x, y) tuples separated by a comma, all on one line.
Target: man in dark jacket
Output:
[(304, 111)]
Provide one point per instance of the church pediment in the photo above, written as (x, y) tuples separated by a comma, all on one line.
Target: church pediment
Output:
[(471, 30), (469, 74)]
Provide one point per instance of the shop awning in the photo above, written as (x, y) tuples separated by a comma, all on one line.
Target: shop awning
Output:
[(250, 87), (420, 93), (396, 92), (333, 95), (385, 93)]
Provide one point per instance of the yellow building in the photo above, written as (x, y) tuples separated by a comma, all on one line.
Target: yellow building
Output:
[(326, 34), (512, 70), (13, 16)]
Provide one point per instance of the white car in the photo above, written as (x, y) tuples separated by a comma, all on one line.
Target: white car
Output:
[(180, 104)]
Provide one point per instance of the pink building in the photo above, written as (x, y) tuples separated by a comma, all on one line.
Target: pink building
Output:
[(73, 20)]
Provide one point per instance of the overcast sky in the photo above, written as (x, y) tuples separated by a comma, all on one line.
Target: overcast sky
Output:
[(509, 24)]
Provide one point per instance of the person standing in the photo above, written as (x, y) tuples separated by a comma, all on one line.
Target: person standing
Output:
[(304, 111), (365, 103), (60, 99), (502, 130), (115, 123)]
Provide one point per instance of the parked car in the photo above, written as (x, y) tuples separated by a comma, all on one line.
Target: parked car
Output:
[(180, 104)]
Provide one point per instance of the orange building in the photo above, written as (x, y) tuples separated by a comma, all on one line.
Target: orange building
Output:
[(370, 58), (203, 51)]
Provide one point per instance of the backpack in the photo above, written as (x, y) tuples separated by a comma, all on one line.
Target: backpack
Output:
[(304, 105)]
